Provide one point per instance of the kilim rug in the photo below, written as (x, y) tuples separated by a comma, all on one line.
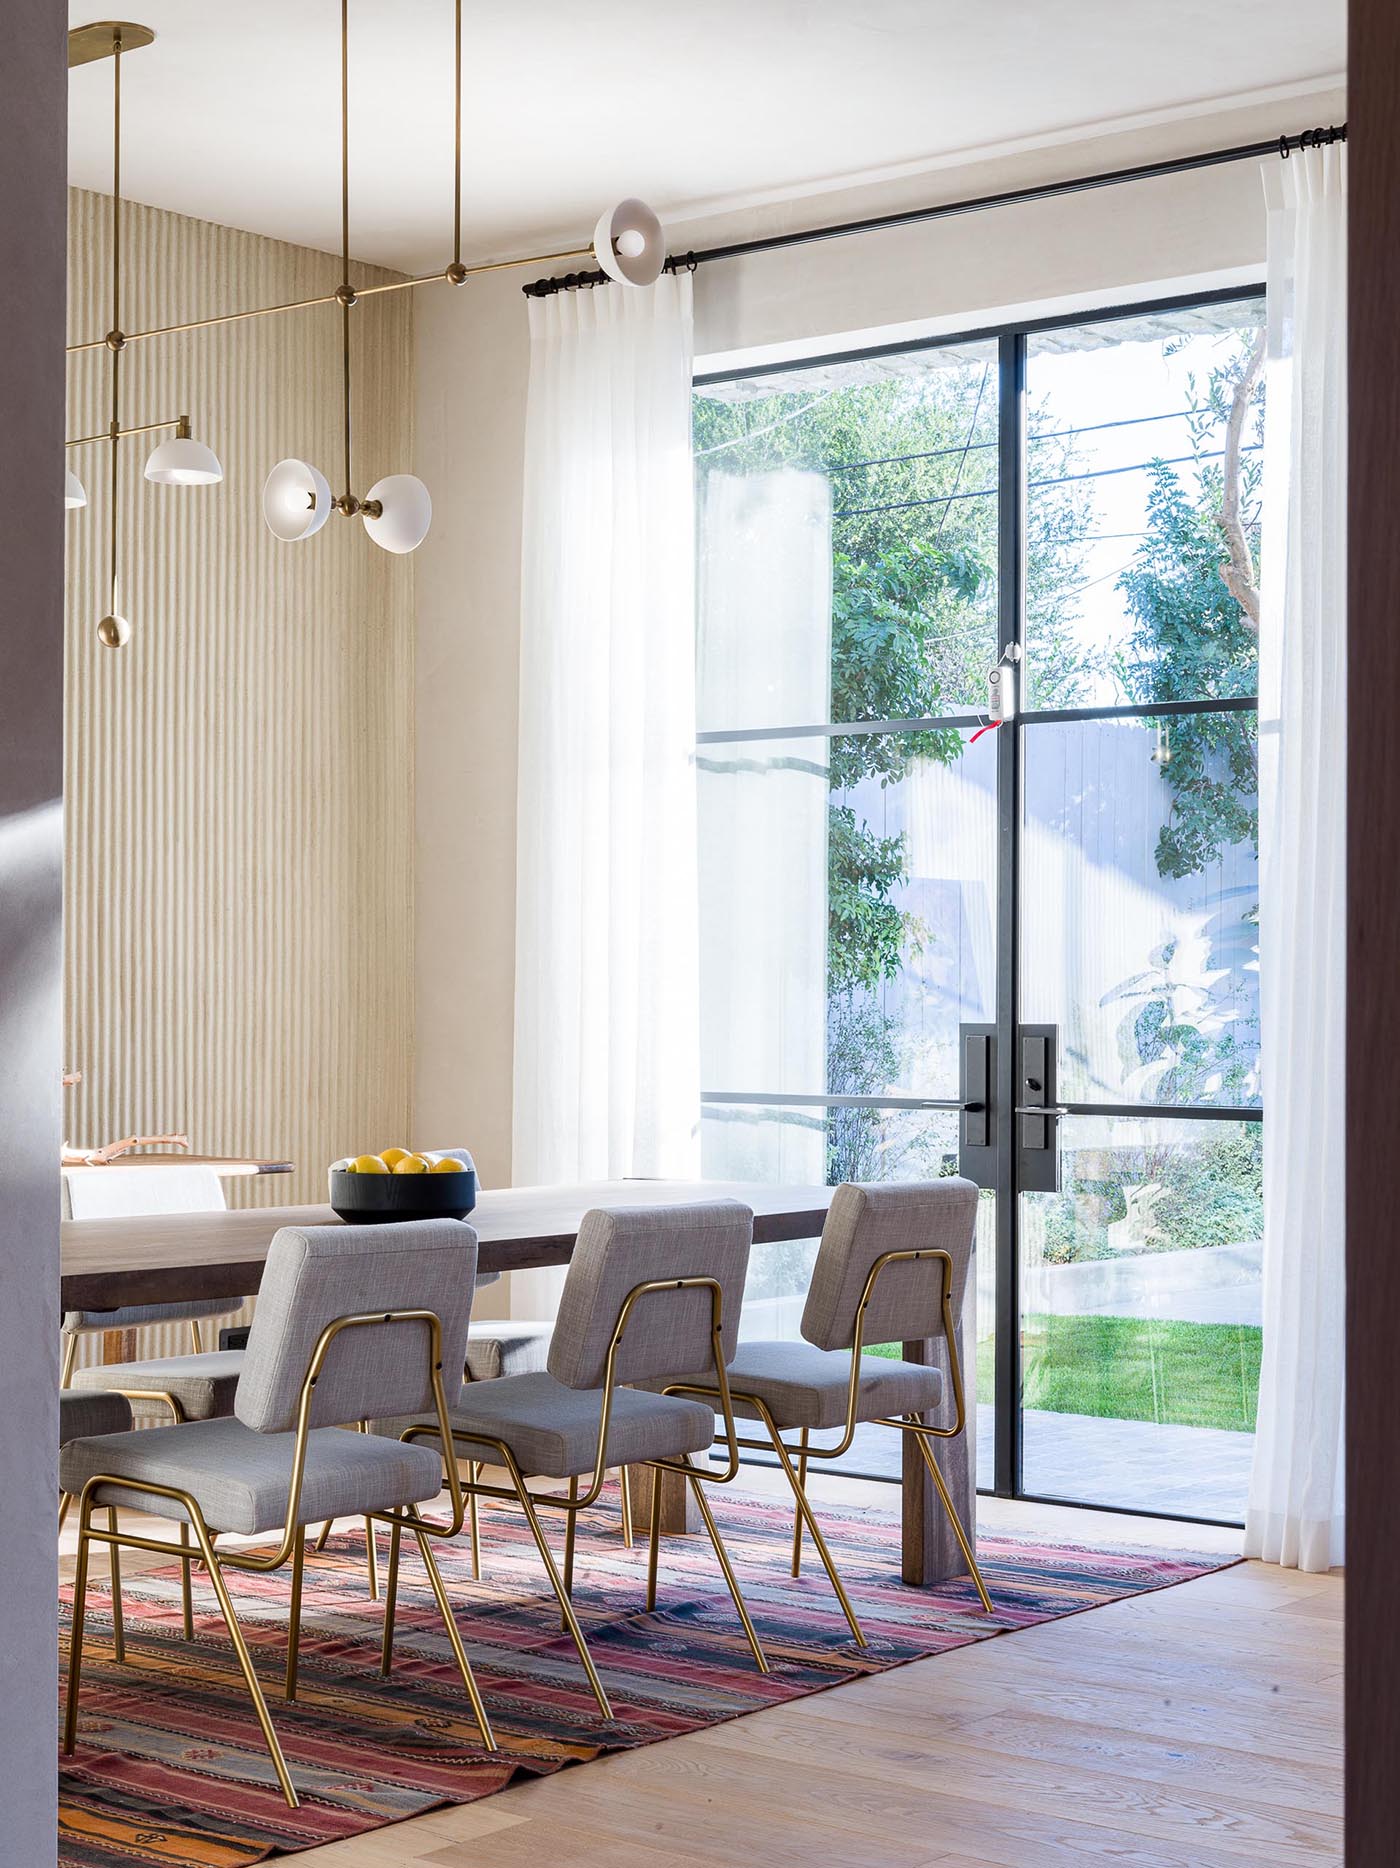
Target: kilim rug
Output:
[(171, 1770)]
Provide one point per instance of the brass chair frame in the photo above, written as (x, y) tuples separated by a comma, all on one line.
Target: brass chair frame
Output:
[(291, 1547), (576, 1501), (908, 1423)]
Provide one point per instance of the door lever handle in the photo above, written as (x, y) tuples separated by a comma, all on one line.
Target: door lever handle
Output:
[(1044, 1109)]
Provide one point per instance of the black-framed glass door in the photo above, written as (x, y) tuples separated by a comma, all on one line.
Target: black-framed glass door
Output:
[(883, 873)]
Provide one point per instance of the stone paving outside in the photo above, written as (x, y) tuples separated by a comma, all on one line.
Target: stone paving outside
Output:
[(1195, 1472)]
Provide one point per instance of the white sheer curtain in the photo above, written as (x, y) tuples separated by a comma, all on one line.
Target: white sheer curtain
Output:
[(606, 977), (1295, 1501)]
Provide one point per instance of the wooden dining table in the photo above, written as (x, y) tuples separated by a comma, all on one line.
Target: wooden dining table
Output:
[(170, 1257)]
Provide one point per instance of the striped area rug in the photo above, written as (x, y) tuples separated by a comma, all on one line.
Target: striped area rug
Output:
[(171, 1770)]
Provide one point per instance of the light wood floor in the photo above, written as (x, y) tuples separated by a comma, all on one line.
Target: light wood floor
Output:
[(1199, 1727)]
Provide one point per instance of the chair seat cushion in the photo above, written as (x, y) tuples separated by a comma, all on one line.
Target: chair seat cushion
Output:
[(498, 1346), (803, 1386), (552, 1430), (84, 1413), (239, 1478), (203, 1385)]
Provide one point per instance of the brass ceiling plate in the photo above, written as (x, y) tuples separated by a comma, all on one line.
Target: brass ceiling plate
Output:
[(86, 43)]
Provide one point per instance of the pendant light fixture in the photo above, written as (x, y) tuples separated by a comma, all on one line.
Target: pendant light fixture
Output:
[(180, 461), (296, 501)]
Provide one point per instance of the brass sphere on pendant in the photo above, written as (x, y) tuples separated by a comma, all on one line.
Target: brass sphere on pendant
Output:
[(114, 632)]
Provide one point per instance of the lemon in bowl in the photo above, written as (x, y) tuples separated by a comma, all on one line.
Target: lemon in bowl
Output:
[(420, 1184)]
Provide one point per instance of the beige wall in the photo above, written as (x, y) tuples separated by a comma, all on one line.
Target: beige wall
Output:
[(239, 779), (1084, 250)]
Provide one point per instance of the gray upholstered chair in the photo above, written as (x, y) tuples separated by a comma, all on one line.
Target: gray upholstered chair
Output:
[(892, 1265), (498, 1346), (649, 1292), (198, 1386), (352, 1321), (82, 1416)]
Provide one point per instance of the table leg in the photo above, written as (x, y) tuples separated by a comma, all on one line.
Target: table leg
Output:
[(680, 1515), (930, 1550)]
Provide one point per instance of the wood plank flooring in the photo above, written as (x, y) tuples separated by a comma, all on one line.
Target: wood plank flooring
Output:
[(1199, 1727)]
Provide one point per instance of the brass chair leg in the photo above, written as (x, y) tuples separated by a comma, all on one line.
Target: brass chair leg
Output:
[(473, 1504), (245, 1662), (797, 1516), (65, 1499), (371, 1544), (566, 1606), (372, 1559), (969, 1556), (325, 1536), (805, 1513), (186, 1584), (570, 1526), (654, 1549), (118, 1620), (698, 1488), (75, 1645), (454, 1636), (70, 1356), (294, 1616), (625, 1480), (391, 1599), (195, 1344)]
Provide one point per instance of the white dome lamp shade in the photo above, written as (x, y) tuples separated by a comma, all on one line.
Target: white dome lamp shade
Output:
[(74, 492), (404, 515), (296, 500), (629, 244), (183, 461)]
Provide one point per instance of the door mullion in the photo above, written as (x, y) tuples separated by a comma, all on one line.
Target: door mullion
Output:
[(1011, 475)]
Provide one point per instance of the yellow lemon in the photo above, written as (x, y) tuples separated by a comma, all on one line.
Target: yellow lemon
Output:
[(368, 1164), (447, 1166), (391, 1157), (411, 1164)]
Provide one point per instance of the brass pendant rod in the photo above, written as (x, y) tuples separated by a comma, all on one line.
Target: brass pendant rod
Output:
[(331, 298), (347, 502), (457, 138), (144, 428), (114, 432), (454, 274)]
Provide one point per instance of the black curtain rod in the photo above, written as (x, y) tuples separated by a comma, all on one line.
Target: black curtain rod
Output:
[(944, 210)]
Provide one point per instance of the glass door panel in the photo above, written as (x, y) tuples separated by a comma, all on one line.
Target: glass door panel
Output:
[(880, 873), (1141, 1316), (1140, 906)]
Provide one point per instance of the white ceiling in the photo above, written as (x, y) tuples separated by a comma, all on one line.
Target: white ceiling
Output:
[(233, 115)]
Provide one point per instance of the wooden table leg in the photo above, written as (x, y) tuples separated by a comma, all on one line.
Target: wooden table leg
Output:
[(930, 1548), (680, 1515)]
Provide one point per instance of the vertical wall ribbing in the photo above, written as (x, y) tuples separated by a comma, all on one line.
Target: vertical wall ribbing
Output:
[(239, 784)]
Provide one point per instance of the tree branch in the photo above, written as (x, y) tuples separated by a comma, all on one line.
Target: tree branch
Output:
[(1238, 571)]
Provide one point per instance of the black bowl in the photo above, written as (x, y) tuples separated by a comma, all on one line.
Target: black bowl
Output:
[(380, 1199)]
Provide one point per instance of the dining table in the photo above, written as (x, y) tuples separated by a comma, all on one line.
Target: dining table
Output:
[(171, 1257)]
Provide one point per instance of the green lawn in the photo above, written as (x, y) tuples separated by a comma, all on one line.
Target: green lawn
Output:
[(1130, 1368)]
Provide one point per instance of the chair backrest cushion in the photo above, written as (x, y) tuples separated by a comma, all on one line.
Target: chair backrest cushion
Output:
[(863, 1223), (316, 1274), (134, 1193), (668, 1332), (136, 1316), (116, 1192)]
